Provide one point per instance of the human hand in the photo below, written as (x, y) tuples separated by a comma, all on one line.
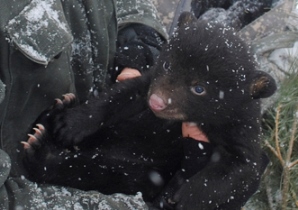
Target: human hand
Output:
[(190, 129), (128, 73)]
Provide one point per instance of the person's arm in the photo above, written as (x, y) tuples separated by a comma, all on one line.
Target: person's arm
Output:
[(140, 38), (2, 91), (138, 46), (5, 165), (139, 12)]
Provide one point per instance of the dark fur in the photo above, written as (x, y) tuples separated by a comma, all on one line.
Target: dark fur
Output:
[(122, 143)]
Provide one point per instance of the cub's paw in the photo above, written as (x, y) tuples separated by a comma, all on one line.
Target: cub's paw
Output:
[(41, 156), (68, 101), (47, 117), (55, 118), (35, 140), (72, 125), (37, 149)]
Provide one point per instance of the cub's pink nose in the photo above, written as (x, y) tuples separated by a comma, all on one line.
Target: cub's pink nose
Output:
[(156, 103)]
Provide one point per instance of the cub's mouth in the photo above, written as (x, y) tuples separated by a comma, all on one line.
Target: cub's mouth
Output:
[(164, 107)]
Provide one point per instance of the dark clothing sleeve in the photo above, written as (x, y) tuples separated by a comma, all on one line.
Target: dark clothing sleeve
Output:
[(67, 49), (138, 46)]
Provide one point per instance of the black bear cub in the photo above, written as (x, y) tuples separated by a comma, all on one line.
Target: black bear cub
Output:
[(129, 138)]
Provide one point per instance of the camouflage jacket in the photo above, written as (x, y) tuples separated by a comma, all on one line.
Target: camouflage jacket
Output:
[(49, 48)]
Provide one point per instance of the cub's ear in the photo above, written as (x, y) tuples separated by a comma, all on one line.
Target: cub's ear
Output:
[(262, 86), (186, 18)]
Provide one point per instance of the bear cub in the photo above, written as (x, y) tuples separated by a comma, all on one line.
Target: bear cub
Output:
[(129, 138)]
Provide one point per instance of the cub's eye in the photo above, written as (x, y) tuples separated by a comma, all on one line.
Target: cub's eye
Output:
[(166, 65), (198, 90)]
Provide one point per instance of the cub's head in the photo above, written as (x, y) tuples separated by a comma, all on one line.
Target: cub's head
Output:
[(206, 73)]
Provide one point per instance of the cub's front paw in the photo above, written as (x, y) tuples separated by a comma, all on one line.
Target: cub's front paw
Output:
[(41, 145), (60, 119), (38, 151), (35, 140), (72, 125)]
